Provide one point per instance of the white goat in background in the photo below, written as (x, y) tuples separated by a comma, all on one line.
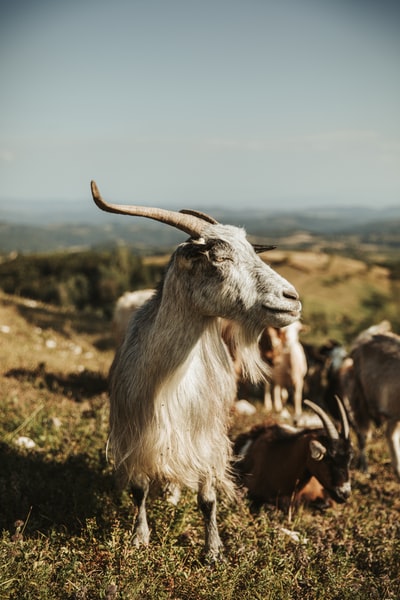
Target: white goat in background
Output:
[(172, 381), (289, 367), (125, 307)]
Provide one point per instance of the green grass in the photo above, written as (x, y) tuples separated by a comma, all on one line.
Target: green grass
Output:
[(66, 532)]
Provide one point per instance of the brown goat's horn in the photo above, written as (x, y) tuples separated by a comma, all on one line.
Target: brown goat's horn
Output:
[(190, 224), (329, 426), (343, 417)]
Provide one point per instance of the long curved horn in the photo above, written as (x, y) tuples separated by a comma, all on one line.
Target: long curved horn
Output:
[(329, 426), (200, 215), (343, 417), (190, 224)]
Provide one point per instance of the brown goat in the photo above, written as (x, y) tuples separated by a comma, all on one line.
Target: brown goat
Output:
[(276, 462), (314, 493)]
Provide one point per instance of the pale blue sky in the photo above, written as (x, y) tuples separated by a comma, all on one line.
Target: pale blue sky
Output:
[(208, 103)]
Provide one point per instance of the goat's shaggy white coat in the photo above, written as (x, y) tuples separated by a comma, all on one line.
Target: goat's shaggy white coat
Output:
[(171, 438)]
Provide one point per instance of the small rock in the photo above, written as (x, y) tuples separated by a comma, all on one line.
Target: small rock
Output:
[(25, 442)]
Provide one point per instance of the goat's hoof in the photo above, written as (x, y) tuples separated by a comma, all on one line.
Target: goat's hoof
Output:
[(139, 543), (139, 539), (363, 467), (213, 559)]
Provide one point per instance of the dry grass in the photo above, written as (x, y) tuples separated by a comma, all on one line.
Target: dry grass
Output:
[(67, 533)]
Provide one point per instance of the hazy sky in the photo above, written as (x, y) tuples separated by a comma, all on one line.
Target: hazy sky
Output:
[(201, 103)]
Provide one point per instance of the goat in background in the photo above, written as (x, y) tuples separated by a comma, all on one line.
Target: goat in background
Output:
[(371, 381), (125, 307), (288, 362), (368, 380), (172, 381), (276, 463)]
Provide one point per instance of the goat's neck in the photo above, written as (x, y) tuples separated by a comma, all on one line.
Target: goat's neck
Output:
[(182, 330), (171, 335)]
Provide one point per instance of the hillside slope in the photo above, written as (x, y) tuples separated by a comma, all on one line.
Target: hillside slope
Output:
[(340, 295)]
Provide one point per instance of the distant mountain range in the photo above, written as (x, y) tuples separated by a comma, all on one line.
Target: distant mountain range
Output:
[(48, 226)]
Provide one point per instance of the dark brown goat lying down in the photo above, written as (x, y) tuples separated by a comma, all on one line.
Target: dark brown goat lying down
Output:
[(277, 463)]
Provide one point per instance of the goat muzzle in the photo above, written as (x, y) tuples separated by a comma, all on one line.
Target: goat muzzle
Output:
[(341, 493)]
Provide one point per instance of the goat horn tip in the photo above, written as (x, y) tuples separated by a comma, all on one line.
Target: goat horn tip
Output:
[(94, 188), (97, 197)]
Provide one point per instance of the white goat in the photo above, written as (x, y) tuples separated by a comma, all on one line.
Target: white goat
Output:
[(125, 307), (172, 381), (289, 367)]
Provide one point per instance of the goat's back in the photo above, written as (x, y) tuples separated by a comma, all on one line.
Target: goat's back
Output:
[(376, 372)]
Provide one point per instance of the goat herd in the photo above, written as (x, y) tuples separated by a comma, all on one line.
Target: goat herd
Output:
[(221, 318)]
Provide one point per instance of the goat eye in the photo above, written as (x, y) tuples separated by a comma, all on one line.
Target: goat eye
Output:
[(222, 259)]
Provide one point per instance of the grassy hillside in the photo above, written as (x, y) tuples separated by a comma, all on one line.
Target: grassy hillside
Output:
[(340, 295), (66, 533)]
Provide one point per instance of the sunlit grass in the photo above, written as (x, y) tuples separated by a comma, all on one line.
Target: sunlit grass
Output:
[(66, 532)]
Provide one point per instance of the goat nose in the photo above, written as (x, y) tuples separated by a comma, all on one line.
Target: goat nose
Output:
[(345, 490), (290, 294)]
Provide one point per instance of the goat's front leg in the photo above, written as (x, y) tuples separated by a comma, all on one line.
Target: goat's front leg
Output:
[(141, 531), (207, 502), (393, 438), (297, 400), (267, 396), (362, 440), (277, 394)]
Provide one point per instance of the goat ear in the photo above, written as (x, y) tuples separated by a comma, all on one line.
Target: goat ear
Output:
[(258, 248), (189, 252), (317, 450)]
